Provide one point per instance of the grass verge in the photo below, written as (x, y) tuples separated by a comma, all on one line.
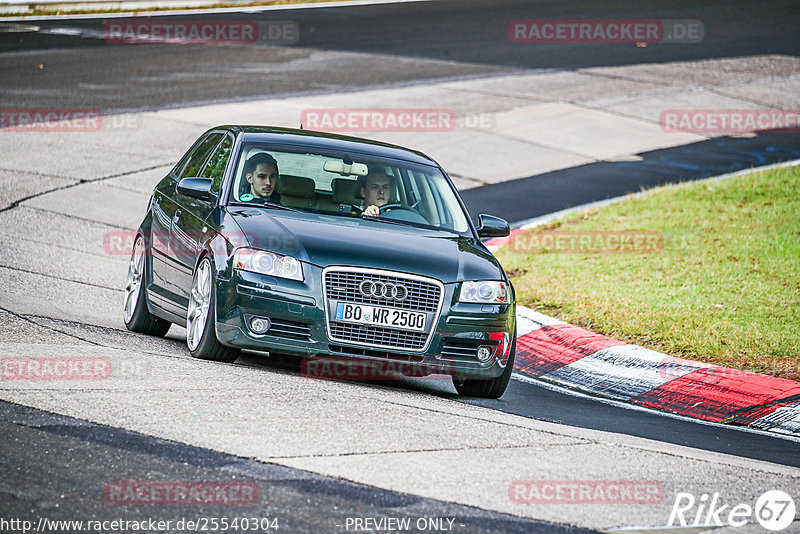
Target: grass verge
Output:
[(708, 271)]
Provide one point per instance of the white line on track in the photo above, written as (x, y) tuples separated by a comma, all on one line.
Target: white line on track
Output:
[(198, 11)]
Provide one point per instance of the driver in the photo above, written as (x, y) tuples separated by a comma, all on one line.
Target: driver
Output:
[(375, 190), (261, 172)]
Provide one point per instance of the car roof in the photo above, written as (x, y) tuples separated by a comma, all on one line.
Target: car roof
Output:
[(329, 141)]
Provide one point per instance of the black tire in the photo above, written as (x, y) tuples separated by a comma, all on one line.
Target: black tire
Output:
[(208, 347), (492, 388), (140, 320)]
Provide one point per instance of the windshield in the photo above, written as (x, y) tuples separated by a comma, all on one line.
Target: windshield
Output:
[(384, 189)]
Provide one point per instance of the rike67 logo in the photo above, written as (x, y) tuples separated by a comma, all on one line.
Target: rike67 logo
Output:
[(774, 510)]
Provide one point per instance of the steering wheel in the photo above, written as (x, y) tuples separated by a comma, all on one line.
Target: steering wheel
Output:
[(401, 212), (394, 206)]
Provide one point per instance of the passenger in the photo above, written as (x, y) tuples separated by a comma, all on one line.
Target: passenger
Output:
[(375, 190), (261, 172)]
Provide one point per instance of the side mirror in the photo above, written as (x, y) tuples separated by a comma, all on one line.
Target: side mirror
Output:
[(196, 187), (491, 226)]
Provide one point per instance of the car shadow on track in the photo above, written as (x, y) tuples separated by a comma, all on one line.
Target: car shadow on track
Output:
[(439, 385)]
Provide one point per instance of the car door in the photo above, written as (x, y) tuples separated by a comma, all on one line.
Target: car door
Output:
[(171, 208), (162, 210), (192, 222)]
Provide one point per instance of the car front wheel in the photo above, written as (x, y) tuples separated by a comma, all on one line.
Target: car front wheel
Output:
[(135, 313), (201, 335), (492, 388)]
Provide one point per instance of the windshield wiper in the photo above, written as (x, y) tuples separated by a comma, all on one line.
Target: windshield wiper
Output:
[(390, 221), (412, 224), (265, 205)]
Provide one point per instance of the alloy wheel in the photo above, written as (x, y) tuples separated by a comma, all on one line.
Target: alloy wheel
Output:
[(133, 283), (199, 302)]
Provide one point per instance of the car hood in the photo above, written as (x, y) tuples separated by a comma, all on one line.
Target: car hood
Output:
[(338, 240)]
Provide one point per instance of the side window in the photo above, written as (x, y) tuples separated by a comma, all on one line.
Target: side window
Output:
[(200, 154), (182, 163), (215, 168)]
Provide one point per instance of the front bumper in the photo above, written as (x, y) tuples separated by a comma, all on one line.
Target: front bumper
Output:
[(296, 310)]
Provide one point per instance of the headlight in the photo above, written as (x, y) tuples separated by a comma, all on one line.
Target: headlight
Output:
[(262, 262), (484, 292)]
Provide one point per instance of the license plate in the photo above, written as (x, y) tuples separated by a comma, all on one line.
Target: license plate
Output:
[(347, 312)]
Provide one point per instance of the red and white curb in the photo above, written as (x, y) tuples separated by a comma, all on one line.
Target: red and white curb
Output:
[(558, 353)]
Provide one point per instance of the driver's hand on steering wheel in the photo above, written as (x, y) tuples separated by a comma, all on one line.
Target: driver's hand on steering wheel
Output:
[(371, 211)]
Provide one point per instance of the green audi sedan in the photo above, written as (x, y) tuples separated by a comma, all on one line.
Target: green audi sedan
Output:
[(322, 246)]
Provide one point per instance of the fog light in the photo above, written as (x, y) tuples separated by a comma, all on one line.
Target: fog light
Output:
[(259, 325), (484, 354)]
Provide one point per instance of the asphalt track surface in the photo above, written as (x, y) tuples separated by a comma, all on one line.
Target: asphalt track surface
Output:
[(526, 198), (425, 41), (83, 456), (365, 46), (558, 407)]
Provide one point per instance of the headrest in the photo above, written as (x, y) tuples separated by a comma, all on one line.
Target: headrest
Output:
[(244, 185), (344, 191), (295, 186)]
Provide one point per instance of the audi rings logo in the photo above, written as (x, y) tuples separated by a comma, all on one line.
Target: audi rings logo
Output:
[(384, 290)]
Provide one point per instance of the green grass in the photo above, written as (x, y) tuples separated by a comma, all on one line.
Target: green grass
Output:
[(723, 288)]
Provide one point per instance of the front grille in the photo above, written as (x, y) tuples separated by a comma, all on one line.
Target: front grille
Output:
[(289, 329), (361, 351), (422, 296), (377, 335), (342, 285), (459, 351)]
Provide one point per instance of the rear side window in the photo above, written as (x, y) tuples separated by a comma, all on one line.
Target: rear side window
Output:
[(200, 154), (182, 163), (215, 168)]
